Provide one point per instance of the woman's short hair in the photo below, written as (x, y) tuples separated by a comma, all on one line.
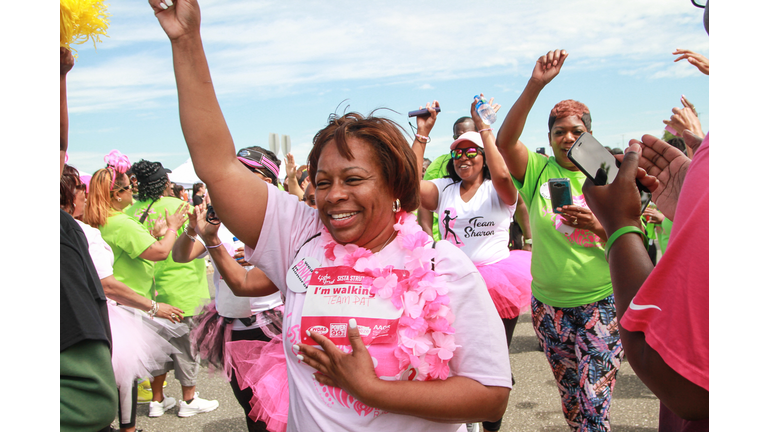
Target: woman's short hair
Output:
[(196, 187), (152, 179), (70, 179), (396, 158), (570, 107)]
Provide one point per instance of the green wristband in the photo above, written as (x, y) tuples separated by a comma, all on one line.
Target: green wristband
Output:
[(620, 232)]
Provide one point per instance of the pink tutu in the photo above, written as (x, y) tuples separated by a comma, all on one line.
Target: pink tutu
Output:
[(139, 344), (209, 334), (262, 367), (509, 283)]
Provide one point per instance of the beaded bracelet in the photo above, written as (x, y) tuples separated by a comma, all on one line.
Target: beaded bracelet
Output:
[(486, 129), (620, 232), (422, 138)]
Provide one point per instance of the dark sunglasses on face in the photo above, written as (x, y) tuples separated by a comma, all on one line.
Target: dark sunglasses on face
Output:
[(122, 189), (470, 152)]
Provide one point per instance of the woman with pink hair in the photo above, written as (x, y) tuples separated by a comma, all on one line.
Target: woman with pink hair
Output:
[(572, 305)]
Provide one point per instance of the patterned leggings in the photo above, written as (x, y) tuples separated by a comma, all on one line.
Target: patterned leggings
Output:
[(584, 350)]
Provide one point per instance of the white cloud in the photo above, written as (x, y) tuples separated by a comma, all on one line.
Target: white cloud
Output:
[(255, 47)]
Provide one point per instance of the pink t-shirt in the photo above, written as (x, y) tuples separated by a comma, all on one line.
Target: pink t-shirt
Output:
[(672, 306), (280, 252)]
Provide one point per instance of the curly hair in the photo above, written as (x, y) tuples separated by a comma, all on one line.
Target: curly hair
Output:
[(396, 158), (570, 107), (151, 184)]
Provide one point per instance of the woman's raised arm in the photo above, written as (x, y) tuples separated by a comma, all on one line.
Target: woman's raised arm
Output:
[(514, 152), (424, 125), (238, 196), (500, 178)]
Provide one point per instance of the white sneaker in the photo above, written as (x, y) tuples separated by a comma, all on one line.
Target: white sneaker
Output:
[(156, 409), (197, 406)]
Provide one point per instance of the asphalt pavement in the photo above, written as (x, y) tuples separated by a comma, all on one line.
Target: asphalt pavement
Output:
[(534, 403)]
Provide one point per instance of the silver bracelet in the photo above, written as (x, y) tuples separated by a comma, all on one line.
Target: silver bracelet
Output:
[(154, 309)]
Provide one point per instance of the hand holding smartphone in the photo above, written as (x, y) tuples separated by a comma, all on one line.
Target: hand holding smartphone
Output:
[(560, 193), (422, 112), (595, 161)]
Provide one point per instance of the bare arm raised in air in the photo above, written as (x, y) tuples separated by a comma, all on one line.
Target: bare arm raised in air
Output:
[(500, 178), (239, 197), (508, 141), (424, 125)]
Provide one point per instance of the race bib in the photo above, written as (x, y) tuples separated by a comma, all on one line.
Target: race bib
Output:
[(336, 294)]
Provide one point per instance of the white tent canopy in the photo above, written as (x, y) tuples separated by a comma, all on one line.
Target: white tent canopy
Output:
[(184, 175)]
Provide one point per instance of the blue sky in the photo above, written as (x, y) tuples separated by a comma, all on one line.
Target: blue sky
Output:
[(283, 67)]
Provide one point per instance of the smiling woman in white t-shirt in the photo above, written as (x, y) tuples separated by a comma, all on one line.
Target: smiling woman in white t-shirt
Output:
[(475, 205), (427, 355)]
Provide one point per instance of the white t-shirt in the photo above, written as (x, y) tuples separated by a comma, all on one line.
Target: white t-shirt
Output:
[(480, 227), (482, 356), (101, 253), (227, 303)]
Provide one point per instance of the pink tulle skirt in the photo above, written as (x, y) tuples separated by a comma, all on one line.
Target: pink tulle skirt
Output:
[(262, 367), (509, 283), (140, 344)]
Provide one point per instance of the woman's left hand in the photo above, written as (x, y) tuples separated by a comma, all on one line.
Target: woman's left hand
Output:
[(351, 372), (581, 218)]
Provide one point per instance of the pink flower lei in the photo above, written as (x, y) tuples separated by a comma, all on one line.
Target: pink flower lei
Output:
[(424, 332)]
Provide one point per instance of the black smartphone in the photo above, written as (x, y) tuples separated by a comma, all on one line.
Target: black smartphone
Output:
[(645, 199), (595, 161), (421, 112), (560, 193), (541, 150)]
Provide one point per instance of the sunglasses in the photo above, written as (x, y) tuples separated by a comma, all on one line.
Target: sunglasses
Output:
[(126, 187), (471, 152)]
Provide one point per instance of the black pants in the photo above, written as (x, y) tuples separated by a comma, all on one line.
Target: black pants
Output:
[(509, 330), (244, 396)]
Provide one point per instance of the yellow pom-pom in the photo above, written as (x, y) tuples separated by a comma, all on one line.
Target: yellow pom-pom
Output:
[(82, 20)]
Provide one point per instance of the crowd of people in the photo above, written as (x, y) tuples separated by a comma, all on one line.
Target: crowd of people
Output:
[(374, 289)]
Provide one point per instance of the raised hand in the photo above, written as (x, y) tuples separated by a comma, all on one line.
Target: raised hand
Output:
[(290, 165), (696, 59), (496, 107), (160, 227), (682, 119), (667, 164), (66, 60), (548, 66), (177, 218), (178, 18), (424, 124)]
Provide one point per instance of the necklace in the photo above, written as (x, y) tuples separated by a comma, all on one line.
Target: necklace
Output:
[(386, 242), (424, 332)]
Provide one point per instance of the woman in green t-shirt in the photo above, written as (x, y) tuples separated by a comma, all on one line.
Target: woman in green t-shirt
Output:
[(134, 248), (572, 304)]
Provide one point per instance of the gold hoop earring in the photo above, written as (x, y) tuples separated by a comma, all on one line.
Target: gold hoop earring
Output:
[(396, 205)]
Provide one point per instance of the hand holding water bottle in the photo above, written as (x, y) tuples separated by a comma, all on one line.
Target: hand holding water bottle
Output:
[(485, 110)]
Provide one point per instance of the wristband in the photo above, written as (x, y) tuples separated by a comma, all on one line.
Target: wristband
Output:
[(620, 232), (422, 138), (190, 236), (486, 129), (214, 246)]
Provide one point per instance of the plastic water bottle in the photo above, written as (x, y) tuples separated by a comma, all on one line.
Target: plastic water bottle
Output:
[(485, 111)]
